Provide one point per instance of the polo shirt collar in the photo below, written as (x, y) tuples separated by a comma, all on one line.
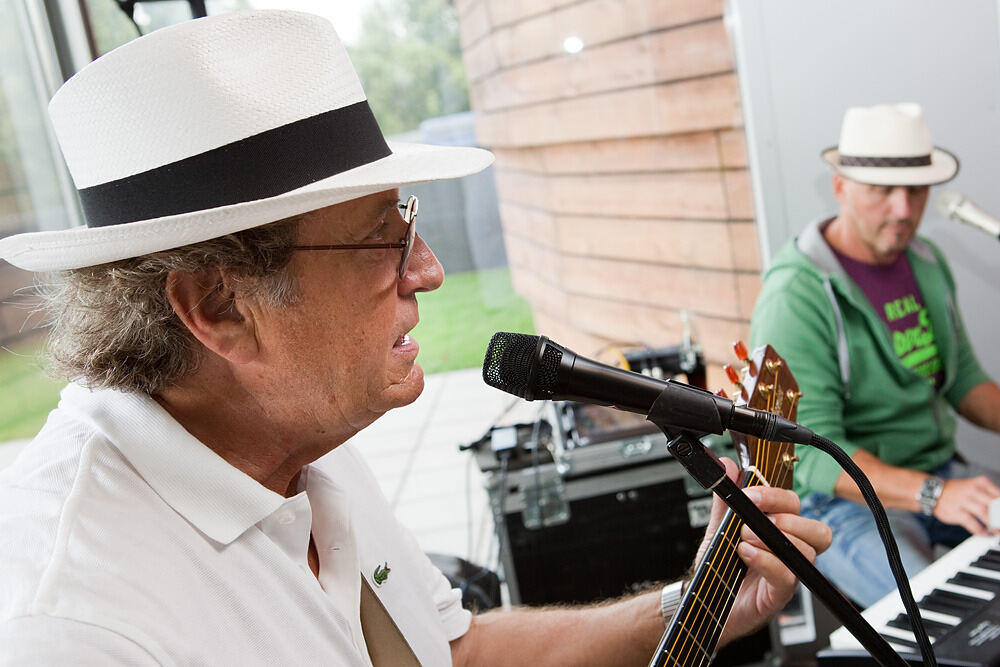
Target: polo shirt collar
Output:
[(217, 498)]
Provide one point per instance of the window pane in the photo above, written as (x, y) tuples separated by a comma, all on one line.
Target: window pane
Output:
[(154, 15), (110, 26), (35, 194), (32, 179)]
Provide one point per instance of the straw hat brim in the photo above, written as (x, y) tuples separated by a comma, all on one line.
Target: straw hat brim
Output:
[(85, 246), (943, 168)]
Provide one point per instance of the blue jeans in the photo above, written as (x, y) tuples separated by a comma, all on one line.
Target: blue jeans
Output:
[(856, 562)]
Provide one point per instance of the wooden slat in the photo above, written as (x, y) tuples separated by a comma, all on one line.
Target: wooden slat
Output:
[(748, 287), (697, 151), (595, 22), (535, 224), (733, 147), (677, 108), (506, 12), (739, 195), (746, 251), (480, 60), (703, 290), (545, 297), (675, 195), (522, 188), (657, 153), (541, 261), (669, 242), (684, 53), (474, 24), (653, 325)]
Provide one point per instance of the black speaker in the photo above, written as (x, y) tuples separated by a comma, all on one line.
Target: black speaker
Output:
[(588, 505), (599, 536)]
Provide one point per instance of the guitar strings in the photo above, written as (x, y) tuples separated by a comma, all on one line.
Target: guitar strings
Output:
[(718, 597)]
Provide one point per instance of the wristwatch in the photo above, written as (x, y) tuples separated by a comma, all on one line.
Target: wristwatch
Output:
[(929, 493), (670, 600)]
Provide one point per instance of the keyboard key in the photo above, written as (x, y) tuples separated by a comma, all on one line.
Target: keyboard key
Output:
[(975, 581)]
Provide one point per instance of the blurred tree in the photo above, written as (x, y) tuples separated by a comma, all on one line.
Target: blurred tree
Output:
[(410, 63), (110, 25)]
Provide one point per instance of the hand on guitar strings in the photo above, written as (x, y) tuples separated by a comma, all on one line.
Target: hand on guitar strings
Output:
[(769, 584)]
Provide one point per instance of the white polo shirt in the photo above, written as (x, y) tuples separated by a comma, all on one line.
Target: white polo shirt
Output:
[(124, 540)]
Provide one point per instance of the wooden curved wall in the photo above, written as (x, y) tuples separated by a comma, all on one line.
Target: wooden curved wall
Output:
[(621, 170)]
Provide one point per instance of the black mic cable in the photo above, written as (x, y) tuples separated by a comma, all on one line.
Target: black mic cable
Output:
[(888, 541)]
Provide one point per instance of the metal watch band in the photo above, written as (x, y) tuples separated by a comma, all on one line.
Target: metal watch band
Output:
[(670, 600), (929, 493)]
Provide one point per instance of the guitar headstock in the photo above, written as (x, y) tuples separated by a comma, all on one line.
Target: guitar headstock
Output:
[(765, 383)]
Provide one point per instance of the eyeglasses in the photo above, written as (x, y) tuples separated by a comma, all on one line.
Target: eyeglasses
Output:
[(409, 210)]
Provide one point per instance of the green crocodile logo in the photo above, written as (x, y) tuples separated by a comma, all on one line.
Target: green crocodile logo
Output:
[(381, 573)]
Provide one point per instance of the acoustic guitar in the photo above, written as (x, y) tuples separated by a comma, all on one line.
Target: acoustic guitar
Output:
[(693, 634)]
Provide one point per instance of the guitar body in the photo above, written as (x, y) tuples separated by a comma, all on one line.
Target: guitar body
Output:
[(693, 634)]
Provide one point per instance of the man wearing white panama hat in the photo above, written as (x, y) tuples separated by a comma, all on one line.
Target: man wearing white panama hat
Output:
[(865, 313), (237, 307)]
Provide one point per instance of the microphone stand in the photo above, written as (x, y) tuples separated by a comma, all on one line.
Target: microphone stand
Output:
[(711, 474)]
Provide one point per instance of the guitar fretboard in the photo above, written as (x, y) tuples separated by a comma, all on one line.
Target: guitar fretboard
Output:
[(693, 634)]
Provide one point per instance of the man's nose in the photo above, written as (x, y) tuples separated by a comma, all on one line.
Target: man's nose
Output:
[(899, 198), (424, 272)]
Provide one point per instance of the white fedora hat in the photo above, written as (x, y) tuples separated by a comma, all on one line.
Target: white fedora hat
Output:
[(889, 144), (214, 126)]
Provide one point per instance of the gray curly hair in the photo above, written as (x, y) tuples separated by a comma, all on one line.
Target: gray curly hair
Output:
[(113, 327)]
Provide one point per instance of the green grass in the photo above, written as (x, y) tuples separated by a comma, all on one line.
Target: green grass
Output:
[(458, 320), (456, 324), (28, 394)]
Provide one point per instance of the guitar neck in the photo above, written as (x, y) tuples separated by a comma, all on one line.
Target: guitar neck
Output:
[(695, 629), (697, 625)]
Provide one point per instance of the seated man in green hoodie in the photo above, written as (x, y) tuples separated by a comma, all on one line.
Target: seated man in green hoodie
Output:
[(864, 312)]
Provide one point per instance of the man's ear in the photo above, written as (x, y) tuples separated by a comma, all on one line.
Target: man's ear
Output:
[(207, 305), (838, 187)]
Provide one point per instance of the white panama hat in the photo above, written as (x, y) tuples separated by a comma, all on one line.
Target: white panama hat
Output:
[(214, 126), (890, 144)]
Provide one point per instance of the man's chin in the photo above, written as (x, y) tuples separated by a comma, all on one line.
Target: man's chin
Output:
[(404, 391)]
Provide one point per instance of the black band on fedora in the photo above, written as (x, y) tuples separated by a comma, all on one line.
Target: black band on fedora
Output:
[(262, 165), (862, 161)]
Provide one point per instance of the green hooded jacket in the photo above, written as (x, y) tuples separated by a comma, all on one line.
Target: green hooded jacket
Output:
[(855, 390)]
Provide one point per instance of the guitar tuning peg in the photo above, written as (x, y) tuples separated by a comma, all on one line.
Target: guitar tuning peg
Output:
[(773, 365), (732, 374), (741, 353), (722, 393)]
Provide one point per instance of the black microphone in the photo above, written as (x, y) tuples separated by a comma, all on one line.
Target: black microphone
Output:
[(536, 368)]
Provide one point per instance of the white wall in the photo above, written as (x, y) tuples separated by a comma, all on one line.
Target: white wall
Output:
[(801, 63)]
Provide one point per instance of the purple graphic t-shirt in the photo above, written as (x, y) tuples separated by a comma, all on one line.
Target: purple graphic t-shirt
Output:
[(893, 291)]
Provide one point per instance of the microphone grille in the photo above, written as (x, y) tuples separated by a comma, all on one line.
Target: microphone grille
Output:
[(948, 201), (548, 370), (510, 361)]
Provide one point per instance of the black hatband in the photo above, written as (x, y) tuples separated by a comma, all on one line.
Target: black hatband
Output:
[(865, 161), (260, 166)]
